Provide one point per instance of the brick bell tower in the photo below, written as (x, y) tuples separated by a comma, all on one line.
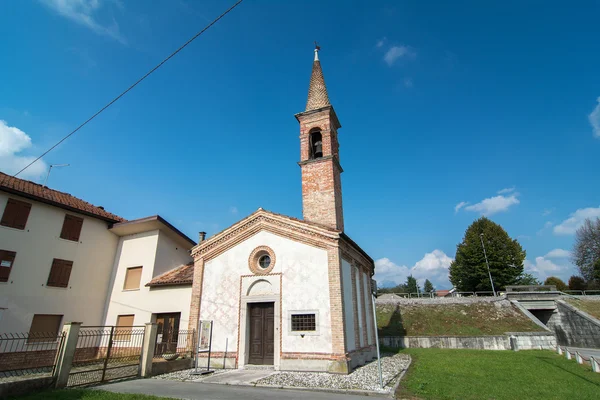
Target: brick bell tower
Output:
[(319, 155)]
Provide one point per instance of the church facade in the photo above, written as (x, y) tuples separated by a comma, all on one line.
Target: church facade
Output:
[(291, 293)]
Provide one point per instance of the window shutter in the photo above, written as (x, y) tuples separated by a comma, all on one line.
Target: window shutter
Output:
[(22, 215), (7, 259), (71, 229), (15, 214), (44, 328), (60, 273), (9, 213)]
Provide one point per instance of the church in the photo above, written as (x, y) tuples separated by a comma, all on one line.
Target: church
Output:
[(292, 293)]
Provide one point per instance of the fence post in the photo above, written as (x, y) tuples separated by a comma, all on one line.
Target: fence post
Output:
[(66, 353), (595, 364), (559, 350), (578, 358), (148, 350), (568, 354)]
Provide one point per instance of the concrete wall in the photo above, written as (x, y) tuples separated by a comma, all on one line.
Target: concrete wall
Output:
[(151, 250), (304, 287), (26, 293), (525, 341), (574, 327)]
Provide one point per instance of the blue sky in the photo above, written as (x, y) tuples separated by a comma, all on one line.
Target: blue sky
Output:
[(493, 106)]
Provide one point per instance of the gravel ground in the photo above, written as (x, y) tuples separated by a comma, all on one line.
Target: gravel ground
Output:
[(363, 378), (185, 375)]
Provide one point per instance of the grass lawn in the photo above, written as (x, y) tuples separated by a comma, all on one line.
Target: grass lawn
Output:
[(85, 394), (591, 307), (474, 319), (440, 374)]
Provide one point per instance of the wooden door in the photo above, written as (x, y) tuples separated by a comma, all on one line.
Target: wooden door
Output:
[(167, 332), (262, 333)]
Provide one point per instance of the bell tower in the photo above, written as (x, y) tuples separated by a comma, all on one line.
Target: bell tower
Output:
[(319, 155)]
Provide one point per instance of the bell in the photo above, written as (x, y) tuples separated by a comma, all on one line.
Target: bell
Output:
[(318, 149)]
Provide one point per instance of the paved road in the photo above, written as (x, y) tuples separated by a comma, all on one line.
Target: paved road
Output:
[(586, 352), (207, 391)]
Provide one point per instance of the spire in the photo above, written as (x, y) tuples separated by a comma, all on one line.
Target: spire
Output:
[(317, 91)]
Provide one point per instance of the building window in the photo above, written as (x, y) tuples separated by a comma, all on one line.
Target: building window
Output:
[(264, 261), (7, 258), (60, 272), (132, 278), (15, 214), (304, 323), (71, 229), (261, 260), (44, 328), (316, 145), (124, 327)]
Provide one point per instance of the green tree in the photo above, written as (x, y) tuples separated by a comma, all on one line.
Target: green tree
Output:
[(412, 285), (586, 250), (559, 283), (576, 283), (428, 287), (527, 279), (468, 271)]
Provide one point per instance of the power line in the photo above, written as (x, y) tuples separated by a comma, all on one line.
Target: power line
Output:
[(132, 86)]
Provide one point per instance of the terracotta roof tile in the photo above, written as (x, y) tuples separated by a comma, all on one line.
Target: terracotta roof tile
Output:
[(184, 274), (54, 197)]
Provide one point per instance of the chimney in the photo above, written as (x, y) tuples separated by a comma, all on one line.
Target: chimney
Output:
[(201, 236)]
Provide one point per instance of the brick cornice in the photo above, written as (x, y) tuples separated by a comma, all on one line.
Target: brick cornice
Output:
[(300, 231), (351, 254), (332, 158)]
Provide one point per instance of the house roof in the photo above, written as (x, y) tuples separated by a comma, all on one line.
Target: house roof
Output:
[(34, 191), (182, 275), (155, 222)]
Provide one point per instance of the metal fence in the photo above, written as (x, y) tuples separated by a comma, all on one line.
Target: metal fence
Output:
[(175, 344), (106, 353), (28, 353), (583, 292)]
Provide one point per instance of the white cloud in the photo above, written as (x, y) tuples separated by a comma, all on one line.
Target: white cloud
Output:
[(408, 82), (381, 42), (506, 190), (594, 118), (13, 141), (84, 13), (547, 212), (543, 268), (494, 204), (570, 225), (396, 52), (433, 266), (558, 253), (459, 206), (233, 210)]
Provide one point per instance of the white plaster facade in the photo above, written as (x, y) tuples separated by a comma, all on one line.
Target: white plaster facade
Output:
[(26, 293), (297, 283), (156, 253)]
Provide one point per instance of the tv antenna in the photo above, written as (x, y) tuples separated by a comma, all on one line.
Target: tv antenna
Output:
[(50, 170)]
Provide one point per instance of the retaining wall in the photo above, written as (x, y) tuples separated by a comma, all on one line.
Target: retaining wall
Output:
[(22, 386), (574, 327), (524, 341), (163, 367)]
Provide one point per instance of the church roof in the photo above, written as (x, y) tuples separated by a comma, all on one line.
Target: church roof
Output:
[(294, 228), (317, 91)]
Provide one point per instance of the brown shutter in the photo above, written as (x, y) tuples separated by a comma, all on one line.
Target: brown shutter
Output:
[(22, 215), (71, 229), (15, 214), (44, 328), (7, 259), (124, 323), (60, 273), (132, 278)]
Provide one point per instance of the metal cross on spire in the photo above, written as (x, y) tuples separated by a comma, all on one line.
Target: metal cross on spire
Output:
[(317, 48)]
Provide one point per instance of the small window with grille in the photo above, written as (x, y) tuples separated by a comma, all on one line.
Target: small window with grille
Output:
[(304, 323)]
